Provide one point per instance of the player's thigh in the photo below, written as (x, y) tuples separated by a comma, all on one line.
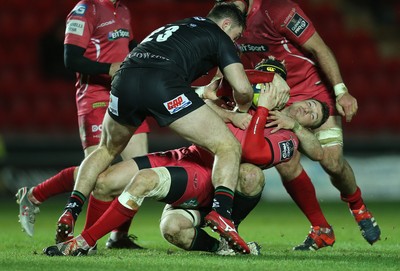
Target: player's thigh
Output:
[(137, 146), (115, 136), (205, 128)]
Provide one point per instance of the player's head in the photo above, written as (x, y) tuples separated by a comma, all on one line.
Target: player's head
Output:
[(229, 17), (309, 113), (242, 4)]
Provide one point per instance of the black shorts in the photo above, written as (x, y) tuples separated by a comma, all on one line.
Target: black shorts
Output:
[(138, 92)]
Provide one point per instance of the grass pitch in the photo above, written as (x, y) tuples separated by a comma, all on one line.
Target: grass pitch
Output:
[(276, 226)]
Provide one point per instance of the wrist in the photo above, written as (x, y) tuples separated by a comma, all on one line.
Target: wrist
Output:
[(297, 127), (340, 89)]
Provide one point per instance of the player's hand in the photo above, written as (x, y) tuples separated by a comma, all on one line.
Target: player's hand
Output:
[(241, 120), (114, 68), (282, 87), (346, 105), (280, 120), (210, 91), (270, 97)]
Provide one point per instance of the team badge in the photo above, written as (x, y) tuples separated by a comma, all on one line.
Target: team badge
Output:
[(297, 25), (286, 149), (79, 10)]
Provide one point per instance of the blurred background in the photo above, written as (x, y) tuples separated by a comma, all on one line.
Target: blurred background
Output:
[(38, 124)]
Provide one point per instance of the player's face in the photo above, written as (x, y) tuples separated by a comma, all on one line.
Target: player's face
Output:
[(308, 113)]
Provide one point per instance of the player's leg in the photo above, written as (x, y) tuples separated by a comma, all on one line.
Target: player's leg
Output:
[(182, 228), (153, 183), (248, 192), (63, 182), (343, 178), (113, 140), (227, 150), (300, 188), (119, 238)]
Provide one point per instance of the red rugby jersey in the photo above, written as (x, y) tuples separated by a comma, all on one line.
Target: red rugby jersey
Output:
[(105, 31), (279, 28)]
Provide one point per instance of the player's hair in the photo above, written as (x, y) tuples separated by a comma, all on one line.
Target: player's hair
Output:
[(325, 114), (230, 10)]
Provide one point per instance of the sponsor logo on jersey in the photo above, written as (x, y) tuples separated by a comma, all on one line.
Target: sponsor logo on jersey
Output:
[(189, 203), (297, 24), (117, 34), (286, 149), (79, 10), (75, 27), (99, 104), (106, 23), (97, 128), (113, 105), (177, 104), (199, 18), (245, 48)]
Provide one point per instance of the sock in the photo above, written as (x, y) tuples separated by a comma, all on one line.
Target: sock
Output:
[(242, 206), (96, 208), (223, 201), (115, 215), (303, 194), (75, 203), (203, 242), (60, 183), (354, 201)]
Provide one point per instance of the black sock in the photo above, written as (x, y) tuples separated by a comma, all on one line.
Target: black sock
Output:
[(223, 201), (203, 242), (242, 206), (75, 203)]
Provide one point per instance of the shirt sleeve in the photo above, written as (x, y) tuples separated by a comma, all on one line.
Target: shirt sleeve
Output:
[(290, 21), (228, 53), (80, 24), (255, 148)]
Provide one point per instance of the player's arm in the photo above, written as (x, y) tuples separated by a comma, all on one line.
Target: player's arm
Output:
[(256, 148), (308, 143), (346, 104), (75, 61), (242, 90), (238, 119)]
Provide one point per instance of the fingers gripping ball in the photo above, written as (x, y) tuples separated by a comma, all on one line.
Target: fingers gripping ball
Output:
[(269, 65)]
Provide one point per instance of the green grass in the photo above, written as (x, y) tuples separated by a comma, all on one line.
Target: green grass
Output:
[(276, 226)]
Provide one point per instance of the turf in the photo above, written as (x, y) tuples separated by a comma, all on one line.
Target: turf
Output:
[(276, 226)]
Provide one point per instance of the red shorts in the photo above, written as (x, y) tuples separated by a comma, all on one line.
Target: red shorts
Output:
[(199, 190), (90, 127)]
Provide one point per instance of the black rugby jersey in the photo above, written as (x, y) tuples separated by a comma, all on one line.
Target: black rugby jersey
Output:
[(191, 47)]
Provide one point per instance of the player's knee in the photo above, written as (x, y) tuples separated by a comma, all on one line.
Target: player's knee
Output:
[(251, 180), (333, 160), (171, 229), (145, 181), (229, 146)]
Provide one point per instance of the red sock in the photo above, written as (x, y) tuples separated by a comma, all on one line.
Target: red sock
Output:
[(303, 194), (354, 201), (60, 183), (96, 208), (115, 215)]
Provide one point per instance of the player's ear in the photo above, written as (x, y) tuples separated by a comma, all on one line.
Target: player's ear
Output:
[(226, 24)]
